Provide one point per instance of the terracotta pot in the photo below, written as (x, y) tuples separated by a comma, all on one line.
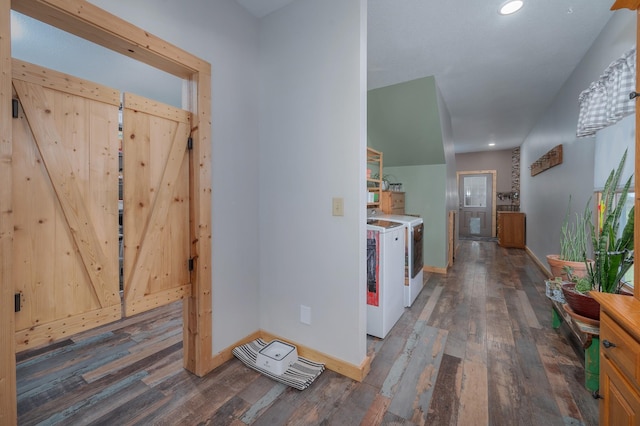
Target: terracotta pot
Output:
[(582, 304), (557, 265)]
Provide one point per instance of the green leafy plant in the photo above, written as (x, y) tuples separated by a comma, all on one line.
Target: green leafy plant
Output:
[(574, 237), (613, 254), (582, 284)]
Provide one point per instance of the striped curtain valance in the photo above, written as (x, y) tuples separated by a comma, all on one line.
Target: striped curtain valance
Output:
[(606, 101)]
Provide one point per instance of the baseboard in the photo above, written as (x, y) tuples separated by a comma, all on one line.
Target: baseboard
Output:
[(434, 269), (227, 354), (352, 371), (537, 261)]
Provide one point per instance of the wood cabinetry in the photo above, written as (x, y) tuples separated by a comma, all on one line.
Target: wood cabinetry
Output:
[(511, 229), (619, 359), (392, 202), (374, 184)]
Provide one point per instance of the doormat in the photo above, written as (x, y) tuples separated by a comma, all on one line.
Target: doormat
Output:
[(299, 375)]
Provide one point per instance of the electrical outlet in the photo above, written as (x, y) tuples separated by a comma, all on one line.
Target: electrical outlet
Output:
[(305, 314), (338, 206)]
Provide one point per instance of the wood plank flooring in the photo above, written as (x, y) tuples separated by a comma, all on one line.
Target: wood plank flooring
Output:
[(476, 348)]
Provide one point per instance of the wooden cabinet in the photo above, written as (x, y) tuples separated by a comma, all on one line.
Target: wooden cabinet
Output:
[(374, 184), (392, 202), (511, 229), (619, 359), (620, 404)]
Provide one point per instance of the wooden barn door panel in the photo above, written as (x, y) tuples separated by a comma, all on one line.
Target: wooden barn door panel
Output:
[(65, 164), (156, 204)]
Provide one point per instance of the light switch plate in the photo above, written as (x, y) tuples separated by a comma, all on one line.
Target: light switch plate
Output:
[(338, 206)]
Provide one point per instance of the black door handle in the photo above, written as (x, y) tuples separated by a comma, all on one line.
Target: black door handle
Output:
[(607, 344)]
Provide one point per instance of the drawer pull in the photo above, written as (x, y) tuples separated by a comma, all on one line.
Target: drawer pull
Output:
[(607, 344), (596, 395)]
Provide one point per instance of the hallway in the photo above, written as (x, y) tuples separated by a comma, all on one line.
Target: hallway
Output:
[(502, 364), (505, 362)]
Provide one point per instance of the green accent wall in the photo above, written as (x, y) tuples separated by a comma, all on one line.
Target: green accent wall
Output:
[(425, 188), (403, 121)]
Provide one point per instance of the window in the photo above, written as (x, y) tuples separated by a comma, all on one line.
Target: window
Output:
[(475, 191)]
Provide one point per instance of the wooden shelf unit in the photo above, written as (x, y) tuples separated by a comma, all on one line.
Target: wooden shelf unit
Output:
[(392, 202), (374, 186)]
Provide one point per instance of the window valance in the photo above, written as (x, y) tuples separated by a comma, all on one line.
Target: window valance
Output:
[(606, 101)]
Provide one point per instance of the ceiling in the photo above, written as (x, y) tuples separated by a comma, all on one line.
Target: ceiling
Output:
[(497, 74)]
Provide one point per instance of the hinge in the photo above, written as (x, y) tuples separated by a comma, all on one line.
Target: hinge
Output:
[(14, 108), (190, 143), (191, 264), (17, 302)]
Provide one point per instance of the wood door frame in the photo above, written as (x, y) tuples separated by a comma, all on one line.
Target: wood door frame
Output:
[(493, 193), (87, 21)]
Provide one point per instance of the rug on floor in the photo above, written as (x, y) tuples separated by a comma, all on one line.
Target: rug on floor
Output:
[(300, 375)]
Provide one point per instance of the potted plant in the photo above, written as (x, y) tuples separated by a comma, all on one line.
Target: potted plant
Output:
[(613, 250), (574, 240), (385, 180), (554, 289), (576, 295)]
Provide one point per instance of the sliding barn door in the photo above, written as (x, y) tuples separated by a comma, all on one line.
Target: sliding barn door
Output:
[(156, 204), (65, 200)]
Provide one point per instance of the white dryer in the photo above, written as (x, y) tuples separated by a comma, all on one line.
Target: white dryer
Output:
[(385, 275), (414, 260)]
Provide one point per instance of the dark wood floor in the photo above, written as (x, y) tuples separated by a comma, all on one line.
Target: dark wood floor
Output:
[(476, 348)]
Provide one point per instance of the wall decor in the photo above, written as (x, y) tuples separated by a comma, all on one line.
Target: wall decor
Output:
[(550, 159)]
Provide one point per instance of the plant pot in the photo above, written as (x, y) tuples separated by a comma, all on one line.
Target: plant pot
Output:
[(557, 267), (553, 292), (582, 304)]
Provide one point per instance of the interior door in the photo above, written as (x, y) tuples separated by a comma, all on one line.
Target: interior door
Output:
[(156, 203), (65, 200), (476, 205)]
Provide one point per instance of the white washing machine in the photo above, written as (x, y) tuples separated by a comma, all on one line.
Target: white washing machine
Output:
[(385, 275), (414, 260)]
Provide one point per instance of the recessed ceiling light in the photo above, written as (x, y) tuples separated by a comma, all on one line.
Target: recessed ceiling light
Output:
[(492, 144), (510, 7)]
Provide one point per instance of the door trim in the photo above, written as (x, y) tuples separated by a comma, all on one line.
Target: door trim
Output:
[(87, 21), (493, 193)]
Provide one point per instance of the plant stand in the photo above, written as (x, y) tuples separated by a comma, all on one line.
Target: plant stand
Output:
[(588, 334)]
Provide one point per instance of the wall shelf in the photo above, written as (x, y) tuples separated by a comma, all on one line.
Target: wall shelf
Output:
[(374, 185)]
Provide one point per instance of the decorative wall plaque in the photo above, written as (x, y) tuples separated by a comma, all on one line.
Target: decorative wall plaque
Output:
[(548, 160)]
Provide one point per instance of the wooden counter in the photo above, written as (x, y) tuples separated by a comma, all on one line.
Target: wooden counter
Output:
[(619, 359)]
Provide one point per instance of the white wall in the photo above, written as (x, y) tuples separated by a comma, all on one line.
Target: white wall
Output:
[(225, 35), (312, 148), (611, 142), (545, 196)]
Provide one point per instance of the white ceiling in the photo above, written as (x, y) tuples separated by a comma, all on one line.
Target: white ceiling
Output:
[(496, 73)]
